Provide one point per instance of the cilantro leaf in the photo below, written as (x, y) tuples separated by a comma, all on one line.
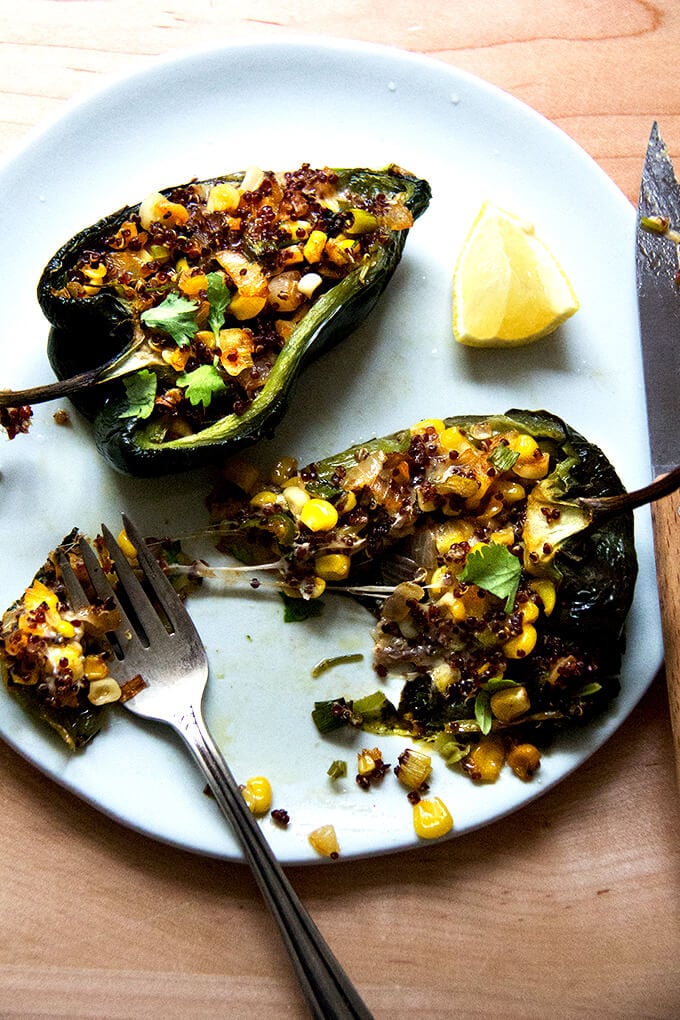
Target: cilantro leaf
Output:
[(202, 384), (140, 390), (494, 568), (175, 316), (219, 297)]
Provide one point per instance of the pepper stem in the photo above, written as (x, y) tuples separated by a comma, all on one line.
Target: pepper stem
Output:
[(605, 506)]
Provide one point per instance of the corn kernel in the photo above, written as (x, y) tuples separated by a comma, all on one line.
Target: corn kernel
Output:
[(530, 612), (223, 197), (523, 445), (510, 491), (503, 536), (319, 515), (103, 692), (452, 533), (332, 566), (536, 467), (94, 667), (454, 606), (440, 582), (431, 818), (126, 547), (296, 498), (325, 841), (452, 439), (264, 498), (545, 589), (522, 645), (314, 246), (524, 760), (484, 762), (257, 793), (346, 503)]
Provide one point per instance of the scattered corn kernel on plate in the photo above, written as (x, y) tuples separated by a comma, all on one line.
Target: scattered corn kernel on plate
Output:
[(473, 144)]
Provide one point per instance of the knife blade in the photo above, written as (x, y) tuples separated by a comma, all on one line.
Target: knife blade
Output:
[(657, 260)]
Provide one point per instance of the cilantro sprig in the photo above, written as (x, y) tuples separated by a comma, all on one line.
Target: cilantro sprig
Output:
[(140, 390), (219, 297), (494, 568), (175, 316), (201, 384)]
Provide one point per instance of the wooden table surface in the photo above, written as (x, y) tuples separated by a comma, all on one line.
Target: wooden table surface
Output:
[(569, 908)]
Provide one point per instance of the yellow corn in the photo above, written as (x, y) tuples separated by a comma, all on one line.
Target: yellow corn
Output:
[(431, 818), (545, 589), (346, 503), (257, 793), (440, 582), (264, 498), (94, 667), (510, 491), (452, 533), (503, 536), (95, 274), (319, 515), (126, 547), (523, 445), (314, 246), (454, 606), (103, 692), (332, 566), (296, 498), (522, 644), (484, 762), (524, 760), (325, 841), (223, 197), (453, 439)]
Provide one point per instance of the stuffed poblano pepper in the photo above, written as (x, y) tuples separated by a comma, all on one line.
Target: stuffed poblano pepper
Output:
[(210, 297), (496, 555)]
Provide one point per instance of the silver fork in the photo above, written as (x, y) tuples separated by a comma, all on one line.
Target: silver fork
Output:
[(171, 659)]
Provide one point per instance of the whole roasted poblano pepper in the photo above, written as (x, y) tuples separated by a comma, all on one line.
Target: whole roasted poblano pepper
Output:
[(494, 553), (211, 297)]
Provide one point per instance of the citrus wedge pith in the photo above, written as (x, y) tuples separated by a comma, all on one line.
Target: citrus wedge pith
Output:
[(508, 288)]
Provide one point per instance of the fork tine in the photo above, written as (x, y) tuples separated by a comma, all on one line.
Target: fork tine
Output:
[(144, 610), (103, 589), (162, 588), (74, 589)]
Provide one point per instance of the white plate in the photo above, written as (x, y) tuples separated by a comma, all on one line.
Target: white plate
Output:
[(344, 104)]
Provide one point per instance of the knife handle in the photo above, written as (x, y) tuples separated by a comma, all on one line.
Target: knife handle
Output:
[(666, 523)]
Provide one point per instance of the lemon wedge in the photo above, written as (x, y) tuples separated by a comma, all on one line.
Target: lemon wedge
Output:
[(508, 288)]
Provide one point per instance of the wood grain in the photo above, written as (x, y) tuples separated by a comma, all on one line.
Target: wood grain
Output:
[(667, 544), (569, 909)]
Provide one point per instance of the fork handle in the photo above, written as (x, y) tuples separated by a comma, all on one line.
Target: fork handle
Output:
[(329, 993)]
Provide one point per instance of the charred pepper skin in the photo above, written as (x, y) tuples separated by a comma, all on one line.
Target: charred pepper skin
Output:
[(87, 333)]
